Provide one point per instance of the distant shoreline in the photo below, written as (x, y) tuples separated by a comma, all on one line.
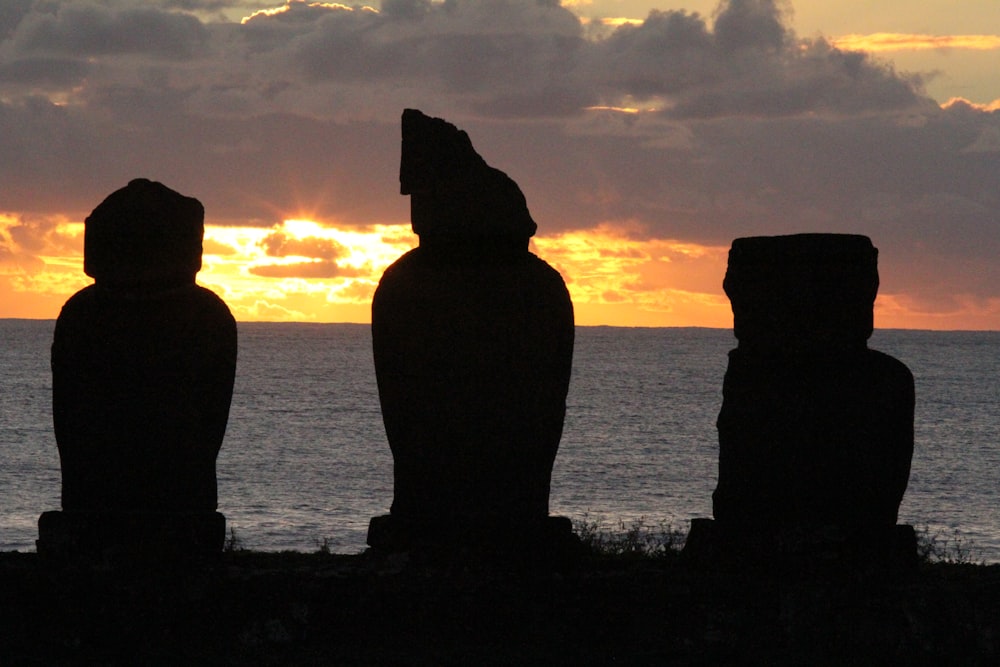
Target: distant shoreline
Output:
[(578, 326)]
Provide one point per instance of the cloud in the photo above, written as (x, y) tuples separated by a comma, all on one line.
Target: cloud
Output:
[(667, 53), (212, 247), (82, 29), (199, 5), (264, 310), (278, 244), (43, 70), (516, 58), (988, 141), (818, 79), (25, 240), (11, 14), (316, 269), (751, 64), (499, 58), (750, 25), (698, 129), (40, 264)]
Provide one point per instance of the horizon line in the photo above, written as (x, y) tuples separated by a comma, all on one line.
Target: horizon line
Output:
[(578, 326)]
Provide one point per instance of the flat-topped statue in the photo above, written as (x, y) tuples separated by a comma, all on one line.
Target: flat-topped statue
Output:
[(816, 430), (473, 343), (143, 363)]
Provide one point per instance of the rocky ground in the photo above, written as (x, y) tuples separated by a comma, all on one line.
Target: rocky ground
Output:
[(256, 608)]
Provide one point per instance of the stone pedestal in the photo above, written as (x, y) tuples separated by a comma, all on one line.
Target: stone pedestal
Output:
[(120, 538), (812, 549), (816, 430), (143, 363), (548, 540), (473, 340)]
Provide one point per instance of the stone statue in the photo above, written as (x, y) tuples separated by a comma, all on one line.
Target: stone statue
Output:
[(816, 430), (473, 342), (143, 363)]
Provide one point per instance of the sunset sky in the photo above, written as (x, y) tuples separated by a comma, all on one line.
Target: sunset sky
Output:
[(645, 135)]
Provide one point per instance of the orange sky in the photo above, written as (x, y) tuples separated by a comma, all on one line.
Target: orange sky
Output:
[(303, 271), (645, 136)]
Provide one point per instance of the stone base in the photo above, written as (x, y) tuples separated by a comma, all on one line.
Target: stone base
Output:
[(547, 540), (112, 538), (805, 549)]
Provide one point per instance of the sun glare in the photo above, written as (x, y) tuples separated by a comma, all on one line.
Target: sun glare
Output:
[(300, 270)]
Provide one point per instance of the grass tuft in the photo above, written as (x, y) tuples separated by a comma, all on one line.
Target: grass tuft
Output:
[(952, 550), (233, 542), (633, 540), (322, 546)]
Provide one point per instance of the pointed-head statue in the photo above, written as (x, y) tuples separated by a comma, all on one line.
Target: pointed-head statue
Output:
[(454, 194)]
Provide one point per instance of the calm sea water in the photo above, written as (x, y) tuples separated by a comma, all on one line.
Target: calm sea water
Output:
[(305, 459)]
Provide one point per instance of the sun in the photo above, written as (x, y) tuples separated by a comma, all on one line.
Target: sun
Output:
[(300, 270)]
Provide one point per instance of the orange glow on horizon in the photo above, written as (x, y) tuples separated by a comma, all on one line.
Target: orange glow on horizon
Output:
[(896, 311), (306, 271), (614, 278), (41, 265)]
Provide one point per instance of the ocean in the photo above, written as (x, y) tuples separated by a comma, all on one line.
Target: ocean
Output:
[(305, 461)]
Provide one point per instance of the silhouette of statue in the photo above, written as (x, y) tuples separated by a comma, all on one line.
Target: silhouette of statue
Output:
[(816, 430), (473, 342), (143, 363)]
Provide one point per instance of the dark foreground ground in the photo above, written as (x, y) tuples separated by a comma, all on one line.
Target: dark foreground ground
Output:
[(322, 609)]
